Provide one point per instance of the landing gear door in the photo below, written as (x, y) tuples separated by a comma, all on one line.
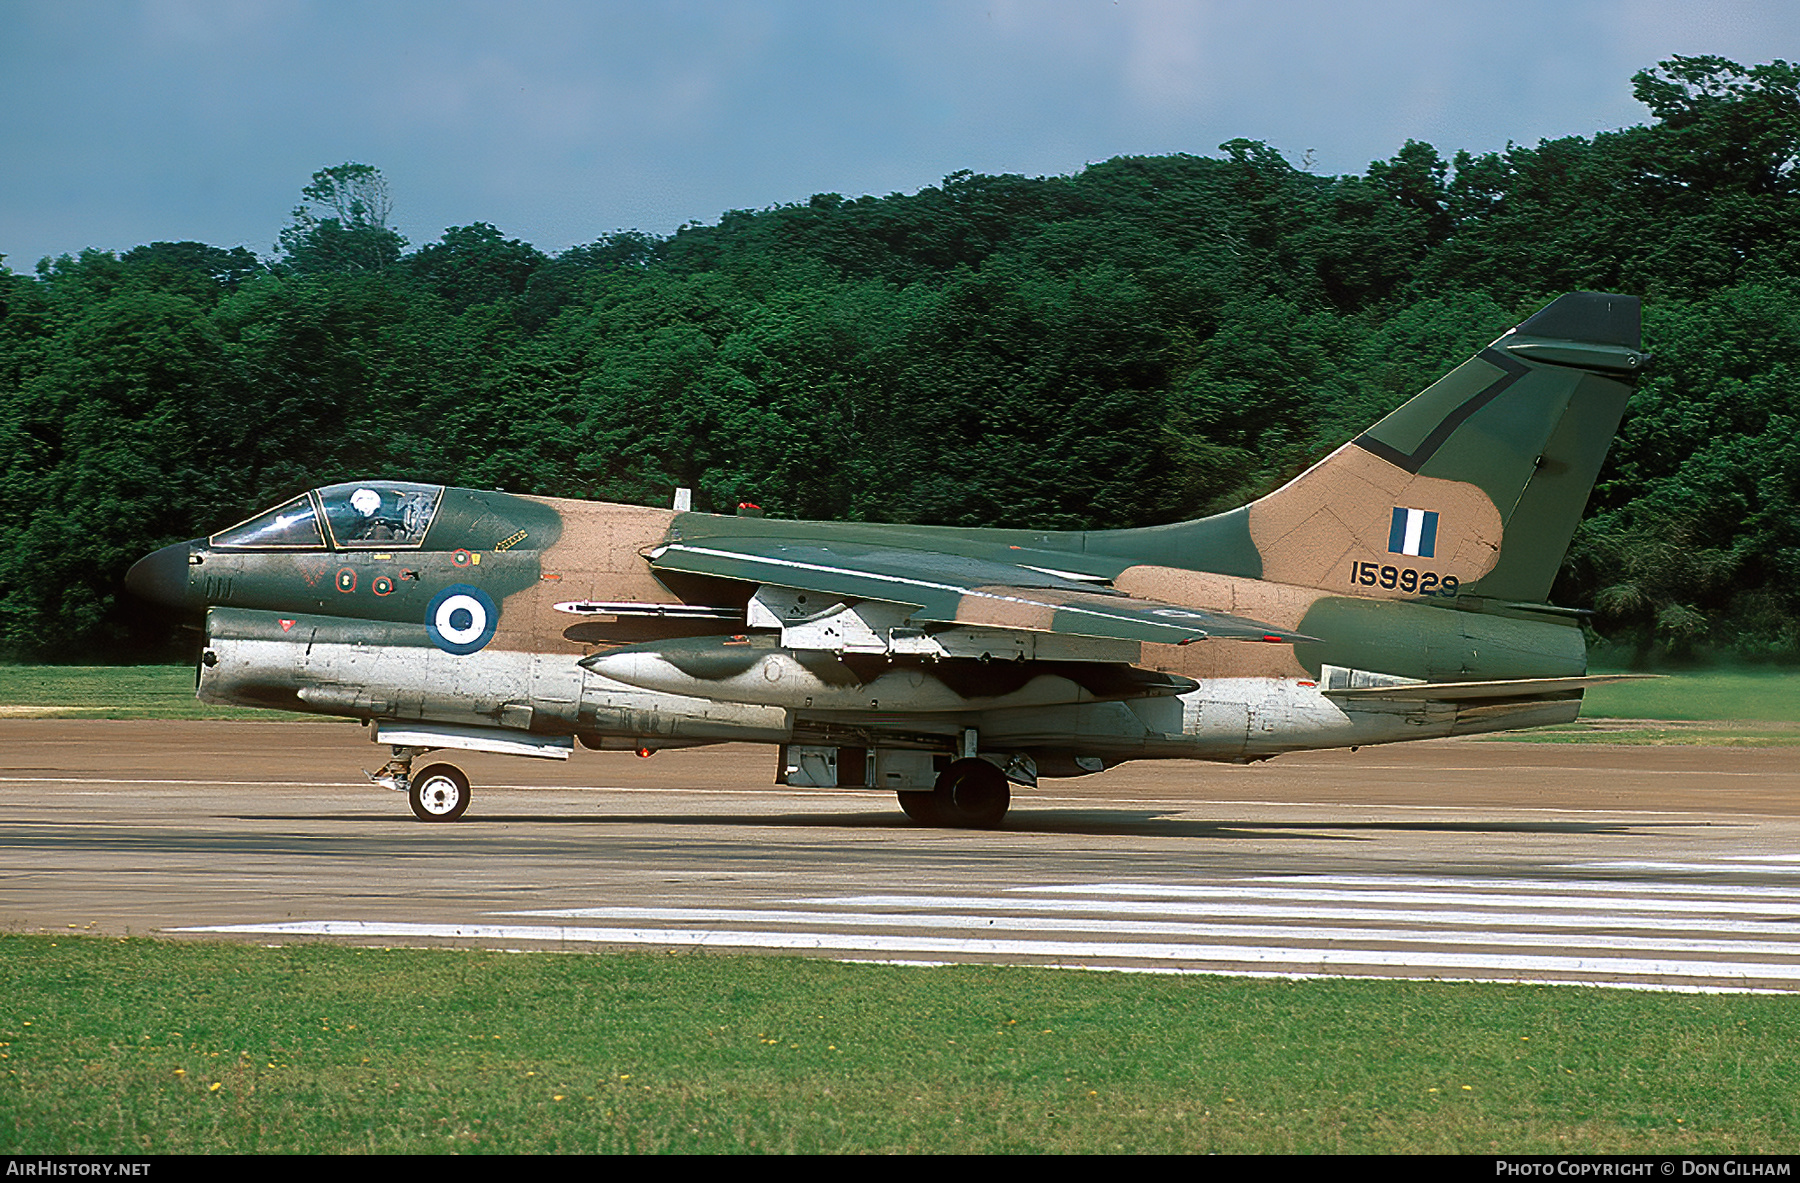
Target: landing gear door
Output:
[(808, 766)]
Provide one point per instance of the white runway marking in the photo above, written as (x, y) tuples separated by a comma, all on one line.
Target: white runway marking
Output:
[(1768, 864), (1784, 907), (1547, 930), (1280, 932), (1102, 950), (1486, 921), (1782, 891)]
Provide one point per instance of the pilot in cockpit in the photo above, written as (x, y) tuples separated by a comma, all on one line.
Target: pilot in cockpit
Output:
[(370, 525), (375, 526)]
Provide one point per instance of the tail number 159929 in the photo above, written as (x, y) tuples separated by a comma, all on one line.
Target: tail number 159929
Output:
[(1405, 579)]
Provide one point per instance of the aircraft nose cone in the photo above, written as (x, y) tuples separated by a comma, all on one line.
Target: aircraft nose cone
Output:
[(162, 577)]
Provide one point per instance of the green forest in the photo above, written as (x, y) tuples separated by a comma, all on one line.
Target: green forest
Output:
[(1151, 339)]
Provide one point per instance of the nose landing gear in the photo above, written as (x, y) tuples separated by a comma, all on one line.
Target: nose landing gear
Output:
[(438, 794)]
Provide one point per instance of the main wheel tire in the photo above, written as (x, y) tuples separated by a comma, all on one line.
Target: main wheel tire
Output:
[(972, 794), (922, 807), (439, 794)]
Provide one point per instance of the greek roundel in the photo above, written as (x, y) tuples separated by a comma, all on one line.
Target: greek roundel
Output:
[(461, 619)]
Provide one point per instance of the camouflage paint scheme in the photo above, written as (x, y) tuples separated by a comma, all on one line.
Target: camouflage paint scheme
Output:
[(1395, 590)]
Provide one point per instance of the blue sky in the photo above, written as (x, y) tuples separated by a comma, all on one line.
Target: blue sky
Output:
[(130, 121)]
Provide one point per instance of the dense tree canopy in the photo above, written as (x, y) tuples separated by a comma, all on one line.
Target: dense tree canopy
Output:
[(1150, 339)]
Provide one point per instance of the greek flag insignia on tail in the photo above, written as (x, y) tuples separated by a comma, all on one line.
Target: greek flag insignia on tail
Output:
[(1414, 532)]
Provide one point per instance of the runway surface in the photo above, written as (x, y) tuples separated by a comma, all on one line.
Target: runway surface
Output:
[(1660, 867)]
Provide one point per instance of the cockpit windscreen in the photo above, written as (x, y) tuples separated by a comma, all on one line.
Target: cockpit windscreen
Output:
[(294, 526)]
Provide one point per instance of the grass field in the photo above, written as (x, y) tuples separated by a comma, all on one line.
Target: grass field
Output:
[(1761, 695), (122, 1046), (110, 692), (1758, 707)]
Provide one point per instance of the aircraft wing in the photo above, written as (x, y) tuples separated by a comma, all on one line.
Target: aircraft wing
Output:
[(949, 589)]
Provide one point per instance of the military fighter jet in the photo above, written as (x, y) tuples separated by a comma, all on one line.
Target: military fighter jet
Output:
[(1396, 590)]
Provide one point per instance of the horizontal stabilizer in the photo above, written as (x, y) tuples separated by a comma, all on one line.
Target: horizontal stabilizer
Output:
[(954, 589), (1472, 691)]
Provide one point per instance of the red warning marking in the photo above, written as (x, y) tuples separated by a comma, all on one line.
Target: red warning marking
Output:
[(286, 625)]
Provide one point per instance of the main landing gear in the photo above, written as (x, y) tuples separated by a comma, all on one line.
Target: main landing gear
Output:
[(439, 793), (971, 794)]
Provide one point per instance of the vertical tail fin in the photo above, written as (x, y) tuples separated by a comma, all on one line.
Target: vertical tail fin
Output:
[(1477, 483)]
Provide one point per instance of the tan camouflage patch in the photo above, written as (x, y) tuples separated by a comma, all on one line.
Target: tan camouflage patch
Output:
[(1224, 659), (1315, 530), (1275, 604), (603, 537), (596, 558), (1001, 607)]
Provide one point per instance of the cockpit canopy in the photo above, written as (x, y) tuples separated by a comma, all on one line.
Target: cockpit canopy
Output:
[(358, 515)]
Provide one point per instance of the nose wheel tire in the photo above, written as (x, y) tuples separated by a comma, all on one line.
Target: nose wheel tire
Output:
[(438, 794)]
